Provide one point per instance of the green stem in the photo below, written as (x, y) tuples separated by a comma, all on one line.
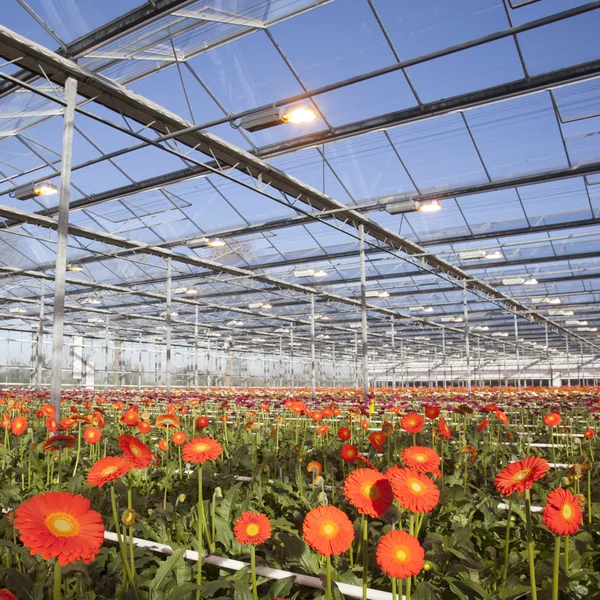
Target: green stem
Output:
[(589, 496), (567, 555), (365, 554), (128, 572), (199, 528), (56, 580), (130, 530), (507, 540), (78, 448), (530, 545), (253, 571), (556, 565)]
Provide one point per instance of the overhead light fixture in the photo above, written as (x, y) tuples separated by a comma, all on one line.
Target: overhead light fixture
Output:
[(205, 242), (74, 268), (383, 295), (190, 292), (266, 306), (32, 190), (495, 255), (428, 309), (95, 320), (428, 206), (499, 334), (325, 318), (553, 300), (304, 273), (581, 323), (558, 312), (513, 281), (255, 305), (587, 329), (372, 294), (472, 254), (531, 281), (401, 207), (415, 308), (320, 273), (91, 300), (215, 243), (296, 114), (457, 320), (17, 309)]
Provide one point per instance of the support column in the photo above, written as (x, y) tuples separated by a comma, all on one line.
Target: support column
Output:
[(196, 350), (106, 352), (393, 331), (168, 348), (444, 357), (356, 361), (292, 358), (568, 362), (70, 97), (548, 359), (313, 374), (467, 351), (581, 376), (140, 365), (280, 362), (208, 375), (363, 310), (39, 349), (517, 352), (333, 364)]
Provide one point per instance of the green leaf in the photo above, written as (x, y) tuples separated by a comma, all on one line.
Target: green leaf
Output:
[(281, 588), (165, 568)]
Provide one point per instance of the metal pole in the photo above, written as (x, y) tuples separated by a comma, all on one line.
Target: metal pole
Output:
[(106, 352), (313, 374), (280, 362), (196, 350), (582, 376), (467, 353), (292, 358), (70, 97), (140, 365), (393, 356), (356, 360), (208, 377), (168, 361), (363, 310), (39, 353), (517, 352), (548, 359), (444, 357), (568, 363), (333, 364)]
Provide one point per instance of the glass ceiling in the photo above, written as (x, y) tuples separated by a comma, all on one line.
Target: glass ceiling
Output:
[(492, 109)]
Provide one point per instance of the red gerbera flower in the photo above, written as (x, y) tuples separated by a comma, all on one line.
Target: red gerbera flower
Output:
[(399, 555), (588, 434), (344, 434), (91, 435), (377, 439), (432, 412), (202, 422), (108, 469), (60, 525), (562, 515), (251, 529), (502, 417), (135, 451), (179, 438), (328, 530), (369, 491), (520, 475), (56, 443), (19, 425), (443, 430), (6, 594), (412, 423), (483, 424), (349, 453), (199, 450), (144, 427)]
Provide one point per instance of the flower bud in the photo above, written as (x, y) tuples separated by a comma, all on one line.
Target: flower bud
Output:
[(128, 517)]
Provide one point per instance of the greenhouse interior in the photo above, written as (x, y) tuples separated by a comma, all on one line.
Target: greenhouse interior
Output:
[(300, 299)]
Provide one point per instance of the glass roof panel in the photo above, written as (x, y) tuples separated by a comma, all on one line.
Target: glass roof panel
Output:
[(421, 27), (493, 211)]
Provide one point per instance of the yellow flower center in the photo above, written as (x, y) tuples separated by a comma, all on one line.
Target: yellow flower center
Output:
[(62, 524), (135, 450), (370, 491), (401, 555), (420, 458), (252, 529), (522, 475), (108, 471), (567, 511), (329, 529), (201, 447), (416, 486)]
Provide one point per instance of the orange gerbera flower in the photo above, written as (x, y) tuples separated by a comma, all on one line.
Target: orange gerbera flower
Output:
[(168, 420), (135, 451), (400, 555), (472, 451), (412, 423), (483, 425), (414, 490), (179, 438), (502, 417), (314, 467), (424, 460), (60, 525), (251, 529), (130, 417), (323, 430), (49, 410), (588, 434), (562, 514), (56, 443), (51, 424), (6, 594), (443, 430), (349, 453), (552, 419), (199, 450), (344, 434), (369, 491), (108, 469), (520, 475), (92, 435), (19, 425), (328, 530), (377, 439)]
